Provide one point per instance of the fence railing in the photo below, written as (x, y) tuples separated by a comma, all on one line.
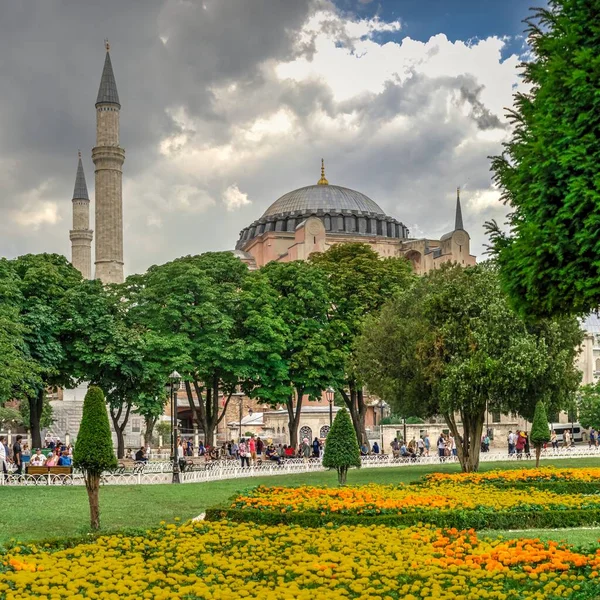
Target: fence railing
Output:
[(162, 472)]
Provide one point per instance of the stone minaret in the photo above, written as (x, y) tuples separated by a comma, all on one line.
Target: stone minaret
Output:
[(81, 235), (108, 159)]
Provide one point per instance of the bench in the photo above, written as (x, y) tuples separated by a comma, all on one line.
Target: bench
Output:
[(31, 470), (129, 465)]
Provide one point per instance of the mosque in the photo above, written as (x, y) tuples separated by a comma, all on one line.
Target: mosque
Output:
[(299, 223), (315, 217)]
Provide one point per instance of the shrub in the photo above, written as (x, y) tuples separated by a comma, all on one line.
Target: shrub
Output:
[(540, 433), (341, 446), (94, 452)]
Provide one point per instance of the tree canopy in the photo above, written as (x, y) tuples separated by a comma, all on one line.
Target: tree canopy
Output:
[(540, 432), (38, 284), (452, 346), (548, 172), (304, 359), (588, 406)]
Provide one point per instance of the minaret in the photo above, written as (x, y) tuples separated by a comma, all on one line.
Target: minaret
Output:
[(108, 159), (81, 235), (458, 221)]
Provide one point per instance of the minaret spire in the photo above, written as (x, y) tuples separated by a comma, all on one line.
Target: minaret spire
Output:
[(81, 235), (458, 222), (322, 181), (108, 158)]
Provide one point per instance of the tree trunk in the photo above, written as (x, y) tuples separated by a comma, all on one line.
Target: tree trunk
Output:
[(149, 423), (354, 401), (36, 405), (294, 417), (468, 445), (120, 427), (342, 472), (538, 452), (92, 485)]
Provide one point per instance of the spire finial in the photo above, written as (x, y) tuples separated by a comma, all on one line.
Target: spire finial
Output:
[(106, 44), (322, 181), (79, 153), (458, 222)]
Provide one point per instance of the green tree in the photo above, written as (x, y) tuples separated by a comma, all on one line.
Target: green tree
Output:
[(359, 283), (341, 446), (9, 418), (116, 353), (192, 304), (93, 452), (452, 345), (540, 432), (46, 418), (39, 283), (588, 406), (548, 172), (302, 358)]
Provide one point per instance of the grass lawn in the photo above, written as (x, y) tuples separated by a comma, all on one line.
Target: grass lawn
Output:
[(34, 513), (577, 537)]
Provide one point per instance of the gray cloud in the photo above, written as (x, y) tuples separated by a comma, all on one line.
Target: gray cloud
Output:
[(52, 58)]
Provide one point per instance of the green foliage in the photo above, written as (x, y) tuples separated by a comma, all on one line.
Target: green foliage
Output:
[(459, 519), (33, 287), (163, 428), (9, 418), (588, 406), (46, 418), (341, 445), (359, 283), (540, 432), (93, 452), (452, 343), (548, 172)]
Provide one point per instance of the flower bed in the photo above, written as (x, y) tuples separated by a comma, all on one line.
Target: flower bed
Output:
[(447, 504), (540, 475), (220, 561)]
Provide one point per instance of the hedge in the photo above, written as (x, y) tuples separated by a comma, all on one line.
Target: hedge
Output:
[(557, 487), (460, 519)]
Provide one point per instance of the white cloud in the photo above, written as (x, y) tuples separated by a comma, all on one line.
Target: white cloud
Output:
[(35, 209), (233, 198)]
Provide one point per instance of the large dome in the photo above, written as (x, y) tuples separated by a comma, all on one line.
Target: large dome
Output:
[(344, 213), (323, 198)]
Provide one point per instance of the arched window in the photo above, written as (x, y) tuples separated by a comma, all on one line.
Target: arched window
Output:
[(324, 431), (305, 432)]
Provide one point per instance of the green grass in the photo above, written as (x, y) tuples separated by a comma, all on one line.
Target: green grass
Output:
[(34, 513), (575, 537)]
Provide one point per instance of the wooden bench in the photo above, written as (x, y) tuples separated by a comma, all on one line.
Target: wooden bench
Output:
[(31, 470)]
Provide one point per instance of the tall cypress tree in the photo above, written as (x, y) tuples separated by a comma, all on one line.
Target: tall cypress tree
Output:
[(548, 173), (540, 433), (93, 451), (341, 446)]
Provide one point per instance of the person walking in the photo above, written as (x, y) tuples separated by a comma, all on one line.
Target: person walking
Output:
[(18, 455), (252, 449), (427, 444), (244, 453), (3, 456), (441, 445), (316, 448), (554, 440), (305, 449)]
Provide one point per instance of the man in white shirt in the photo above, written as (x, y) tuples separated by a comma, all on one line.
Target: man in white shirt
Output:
[(38, 459), (512, 440)]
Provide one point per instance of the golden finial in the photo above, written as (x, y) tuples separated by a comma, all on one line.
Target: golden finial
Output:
[(322, 181), (79, 153), (106, 44)]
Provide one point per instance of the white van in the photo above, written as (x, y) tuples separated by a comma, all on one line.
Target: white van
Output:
[(560, 428)]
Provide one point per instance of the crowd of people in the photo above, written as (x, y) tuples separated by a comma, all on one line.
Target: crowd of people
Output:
[(17, 457)]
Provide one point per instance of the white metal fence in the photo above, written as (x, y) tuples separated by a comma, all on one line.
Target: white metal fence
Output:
[(161, 472)]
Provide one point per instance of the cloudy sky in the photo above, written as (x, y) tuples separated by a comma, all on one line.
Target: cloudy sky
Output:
[(228, 104)]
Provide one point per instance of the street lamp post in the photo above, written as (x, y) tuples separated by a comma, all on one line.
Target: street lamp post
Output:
[(330, 394), (381, 405), (174, 379), (241, 409)]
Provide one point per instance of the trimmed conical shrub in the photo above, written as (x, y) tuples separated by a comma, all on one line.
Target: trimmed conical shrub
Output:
[(341, 446), (93, 452), (540, 432)]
